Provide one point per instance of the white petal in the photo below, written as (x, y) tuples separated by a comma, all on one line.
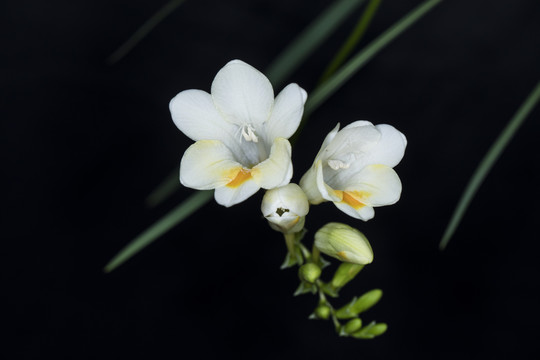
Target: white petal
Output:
[(390, 149), (327, 140), (277, 169), (287, 112), (327, 192), (242, 94), (229, 196), (375, 185), (352, 142), (364, 213), (194, 113), (308, 183), (208, 164)]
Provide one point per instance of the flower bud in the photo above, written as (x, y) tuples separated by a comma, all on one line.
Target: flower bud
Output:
[(344, 243), (352, 326), (322, 312), (309, 272), (371, 330), (345, 273), (285, 208), (366, 301)]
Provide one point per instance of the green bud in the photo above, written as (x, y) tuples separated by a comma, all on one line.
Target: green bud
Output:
[(322, 312), (366, 301), (352, 326), (345, 273), (309, 272), (344, 243), (371, 330), (359, 305)]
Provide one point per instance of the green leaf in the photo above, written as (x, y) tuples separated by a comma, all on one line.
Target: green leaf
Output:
[(487, 163), (141, 32), (323, 92), (354, 38), (308, 41), (175, 216)]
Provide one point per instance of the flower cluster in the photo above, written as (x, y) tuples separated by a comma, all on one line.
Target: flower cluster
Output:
[(241, 144)]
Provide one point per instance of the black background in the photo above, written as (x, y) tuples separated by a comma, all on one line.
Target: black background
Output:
[(83, 143)]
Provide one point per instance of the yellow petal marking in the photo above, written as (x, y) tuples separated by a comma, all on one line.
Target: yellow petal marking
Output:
[(355, 198), (241, 177)]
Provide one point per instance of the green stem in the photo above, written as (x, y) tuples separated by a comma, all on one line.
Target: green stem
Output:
[(289, 241)]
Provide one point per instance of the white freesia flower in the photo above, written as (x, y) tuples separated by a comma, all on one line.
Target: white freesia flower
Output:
[(241, 133), (285, 208), (353, 169)]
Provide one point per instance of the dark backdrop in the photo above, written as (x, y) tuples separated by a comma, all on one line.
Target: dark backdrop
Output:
[(83, 143)]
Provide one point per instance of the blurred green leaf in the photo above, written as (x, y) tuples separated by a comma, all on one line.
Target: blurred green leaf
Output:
[(141, 32), (308, 41), (354, 38), (487, 163), (176, 215), (323, 92)]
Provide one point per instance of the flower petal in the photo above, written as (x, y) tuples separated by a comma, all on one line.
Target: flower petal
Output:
[(375, 185), (208, 164), (287, 112), (363, 213), (277, 169), (352, 143), (390, 149), (194, 113), (242, 94), (232, 195), (327, 192)]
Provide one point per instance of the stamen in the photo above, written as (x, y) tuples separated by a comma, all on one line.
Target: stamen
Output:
[(338, 164), (249, 135)]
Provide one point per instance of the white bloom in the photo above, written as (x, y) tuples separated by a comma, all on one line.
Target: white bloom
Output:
[(353, 169), (241, 133), (285, 208)]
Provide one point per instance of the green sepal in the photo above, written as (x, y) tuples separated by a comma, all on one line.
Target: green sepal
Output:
[(345, 312), (289, 261), (371, 330), (305, 288), (323, 262), (329, 290)]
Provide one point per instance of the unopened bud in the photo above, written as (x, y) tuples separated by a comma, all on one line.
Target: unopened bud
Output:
[(322, 312), (352, 326), (285, 208), (345, 273), (371, 330), (344, 243), (309, 272), (366, 301)]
